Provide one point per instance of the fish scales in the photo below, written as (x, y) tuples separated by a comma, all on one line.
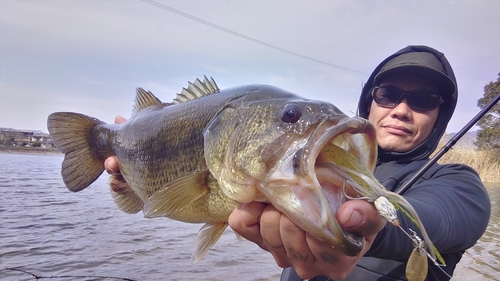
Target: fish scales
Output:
[(172, 133), (195, 159)]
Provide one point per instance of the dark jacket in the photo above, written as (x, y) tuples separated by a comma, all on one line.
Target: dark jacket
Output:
[(451, 200)]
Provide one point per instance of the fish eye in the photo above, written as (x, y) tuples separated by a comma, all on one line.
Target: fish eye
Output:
[(291, 113)]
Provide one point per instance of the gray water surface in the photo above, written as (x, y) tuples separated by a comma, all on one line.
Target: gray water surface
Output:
[(49, 231)]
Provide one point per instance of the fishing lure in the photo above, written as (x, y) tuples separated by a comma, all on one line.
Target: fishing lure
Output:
[(387, 203)]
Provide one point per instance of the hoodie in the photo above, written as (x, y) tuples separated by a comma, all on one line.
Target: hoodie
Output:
[(425, 149), (451, 200)]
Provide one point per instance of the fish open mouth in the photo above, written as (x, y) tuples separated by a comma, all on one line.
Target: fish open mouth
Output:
[(355, 136), (329, 188), (307, 186)]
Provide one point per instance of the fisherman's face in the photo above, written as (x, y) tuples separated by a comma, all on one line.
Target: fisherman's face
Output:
[(402, 128)]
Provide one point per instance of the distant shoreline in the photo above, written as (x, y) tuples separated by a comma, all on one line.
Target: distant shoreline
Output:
[(29, 150)]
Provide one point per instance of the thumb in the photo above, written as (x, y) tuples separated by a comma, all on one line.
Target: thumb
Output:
[(360, 217)]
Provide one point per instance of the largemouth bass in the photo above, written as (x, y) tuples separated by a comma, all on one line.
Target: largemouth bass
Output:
[(197, 158)]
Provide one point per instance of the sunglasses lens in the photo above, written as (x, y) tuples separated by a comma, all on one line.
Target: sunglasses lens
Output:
[(423, 100), (420, 99), (388, 96)]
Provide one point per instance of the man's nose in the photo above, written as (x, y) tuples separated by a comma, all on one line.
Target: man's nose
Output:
[(402, 110)]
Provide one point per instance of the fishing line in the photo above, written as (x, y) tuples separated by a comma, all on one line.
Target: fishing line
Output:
[(37, 277), (248, 38), (448, 146), (385, 208), (432, 161)]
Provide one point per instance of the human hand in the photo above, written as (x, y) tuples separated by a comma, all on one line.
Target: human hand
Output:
[(111, 163), (291, 246)]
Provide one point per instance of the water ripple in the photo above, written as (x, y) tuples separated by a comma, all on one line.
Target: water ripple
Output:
[(47, 230)]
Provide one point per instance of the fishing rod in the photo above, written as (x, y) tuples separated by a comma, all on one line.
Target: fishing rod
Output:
[(448, 146)]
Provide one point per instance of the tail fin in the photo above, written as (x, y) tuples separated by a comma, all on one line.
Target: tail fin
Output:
[(70, 133)]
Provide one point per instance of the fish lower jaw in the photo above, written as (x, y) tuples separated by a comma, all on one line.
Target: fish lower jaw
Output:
[(335, 187), (316, 194), (312, 207), (305, 201), (332, 185), (297, 197)]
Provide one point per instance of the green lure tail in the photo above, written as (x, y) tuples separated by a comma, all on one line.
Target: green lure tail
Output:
[(364, 183)]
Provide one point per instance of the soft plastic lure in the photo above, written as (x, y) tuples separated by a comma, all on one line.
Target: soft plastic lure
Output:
[(387, 203)]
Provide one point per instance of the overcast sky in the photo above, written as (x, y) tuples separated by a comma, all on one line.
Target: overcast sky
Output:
[(89, 56)]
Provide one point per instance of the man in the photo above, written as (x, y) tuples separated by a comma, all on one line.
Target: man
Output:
[(410, 98)]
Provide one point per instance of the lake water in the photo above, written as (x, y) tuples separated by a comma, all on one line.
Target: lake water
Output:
[(49, 231)]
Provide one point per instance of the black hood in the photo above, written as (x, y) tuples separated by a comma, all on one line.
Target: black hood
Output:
[(425, 149)]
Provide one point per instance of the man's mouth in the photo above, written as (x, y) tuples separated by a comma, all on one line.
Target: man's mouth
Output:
[(398, 130)]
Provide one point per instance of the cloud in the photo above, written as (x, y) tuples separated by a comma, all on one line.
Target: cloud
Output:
[(93, 54)]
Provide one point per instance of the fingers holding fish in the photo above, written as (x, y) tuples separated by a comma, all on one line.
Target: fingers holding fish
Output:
[(245, 220), (358, 217), (361, 217), (197, 158), (111, 165), (322, 260), (293, 247), (120, 119), (299, 249), (271, 223)]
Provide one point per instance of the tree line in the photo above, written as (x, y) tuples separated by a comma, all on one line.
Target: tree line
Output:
[(488, 136)]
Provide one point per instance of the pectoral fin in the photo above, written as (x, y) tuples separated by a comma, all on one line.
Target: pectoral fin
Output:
[(177, 195), (207, 237)]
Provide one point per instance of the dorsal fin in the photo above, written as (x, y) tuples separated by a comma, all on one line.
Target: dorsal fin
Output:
[(144, 99), (197, 89)]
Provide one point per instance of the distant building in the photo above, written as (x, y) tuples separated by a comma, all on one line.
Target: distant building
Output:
[(25, 138)]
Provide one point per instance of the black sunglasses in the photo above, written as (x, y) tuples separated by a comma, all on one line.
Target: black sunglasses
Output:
[(391, 96)]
